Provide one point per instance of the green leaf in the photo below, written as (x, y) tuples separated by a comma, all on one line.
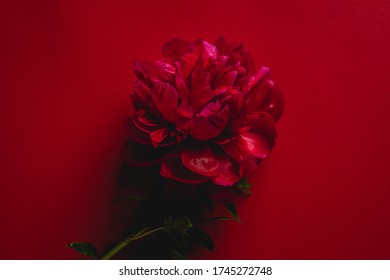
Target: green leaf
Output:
[(178, 238), (129, 197), (84, 248), (176, 255), (217, 219), (244, 186), (181, 224), (202, 238), (231, 207)]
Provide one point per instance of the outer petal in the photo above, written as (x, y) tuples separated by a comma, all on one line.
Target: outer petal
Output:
[(140, 125), (165, 98), (174, 49), (261, 96), (210, 122), (141, 95), (181, 85), (161, 137), (221, 45), (260, 123), (200, 93), (184, 115), (207, 51), (229, 171), (199, 158), (216, 66), (187, 63), (263, 73), (173, 168), (277, 106), (247, 146), (154, 71), (225, 79)]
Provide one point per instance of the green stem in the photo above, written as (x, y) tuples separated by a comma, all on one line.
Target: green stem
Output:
[(141, 234)]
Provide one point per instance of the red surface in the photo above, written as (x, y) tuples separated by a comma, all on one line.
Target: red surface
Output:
[(324, 192)]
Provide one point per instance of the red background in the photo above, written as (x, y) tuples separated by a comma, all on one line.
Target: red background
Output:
[(66, 75)]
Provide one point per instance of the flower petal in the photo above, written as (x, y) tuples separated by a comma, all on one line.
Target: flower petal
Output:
[(229, 171), (207, 51), (200, 93), (140, 95), (165, 98), (140, 125), (154, 71), (160, 137), (225, 79), (247, 146), (263, 73), (199, 158), (209, 123), (261, 96), (277, 106), (172, 168), (184, 114), (174, 49)]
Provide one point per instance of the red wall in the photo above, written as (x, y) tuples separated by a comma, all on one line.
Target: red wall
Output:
[(65, 80)]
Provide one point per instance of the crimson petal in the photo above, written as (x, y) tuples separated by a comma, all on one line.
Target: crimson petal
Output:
[(172, 168), (277, 106), (160, 138), (229, 171), (209, 123), (260, 75), (225, 79), (139, 126), (199, 158), (247, 146), (200, 92), (174, 49), (261, 96), (165, 98)]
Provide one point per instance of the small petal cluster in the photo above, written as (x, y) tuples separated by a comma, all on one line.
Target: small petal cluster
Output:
[(203, 113)]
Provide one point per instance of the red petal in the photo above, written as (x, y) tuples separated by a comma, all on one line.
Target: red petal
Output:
[(141, 95), (199, 158), (277, 106), (173, 168), (154, 71), (183, 117), (260, 75), (261, 96), (246, 167), (139, 126), (207, 51), (181, 84), (160, 137), (209, 124), (165, 98), (173, 50), (187, 63), (260, 123), (229, 171), (247, 146), (221, 45), (216, 66), (200, 93), (225, 79)]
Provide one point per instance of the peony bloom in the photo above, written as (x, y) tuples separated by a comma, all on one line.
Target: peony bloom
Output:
[(204, 112)]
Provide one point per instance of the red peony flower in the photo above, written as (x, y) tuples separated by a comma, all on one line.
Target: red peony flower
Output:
[(204, 113)]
